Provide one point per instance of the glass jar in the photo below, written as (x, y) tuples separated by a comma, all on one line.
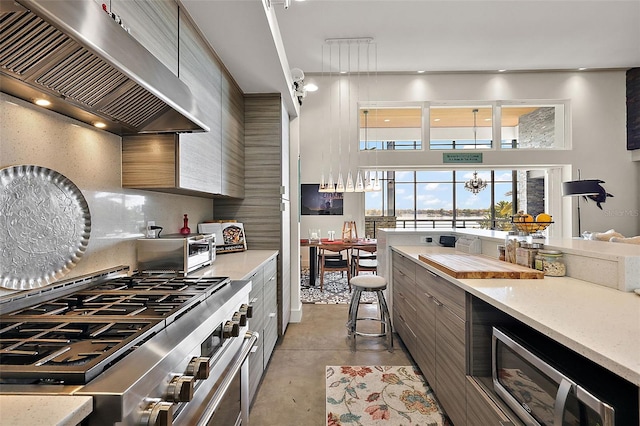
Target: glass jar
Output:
[(551, 262), (501, 254)]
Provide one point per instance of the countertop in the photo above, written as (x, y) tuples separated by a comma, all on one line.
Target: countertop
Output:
[(44, 409), (600, 323), (237, 266)]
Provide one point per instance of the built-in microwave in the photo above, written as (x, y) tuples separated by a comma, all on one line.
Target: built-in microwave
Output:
[(538, 393)]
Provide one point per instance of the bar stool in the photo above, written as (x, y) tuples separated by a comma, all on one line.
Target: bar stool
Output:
[(377, 284)]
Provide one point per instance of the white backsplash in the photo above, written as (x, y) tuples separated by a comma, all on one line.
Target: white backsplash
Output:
[(91, 159)]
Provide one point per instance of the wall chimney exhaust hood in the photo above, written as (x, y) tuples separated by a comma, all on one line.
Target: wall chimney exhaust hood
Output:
[(74, 55)]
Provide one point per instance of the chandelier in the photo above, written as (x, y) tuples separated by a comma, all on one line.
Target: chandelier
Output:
[(475, 184)]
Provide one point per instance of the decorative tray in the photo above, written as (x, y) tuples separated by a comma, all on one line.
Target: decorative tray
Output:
[(44, 226)]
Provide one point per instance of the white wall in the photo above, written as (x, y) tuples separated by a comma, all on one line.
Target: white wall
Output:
[(597, 132), (91, 159)]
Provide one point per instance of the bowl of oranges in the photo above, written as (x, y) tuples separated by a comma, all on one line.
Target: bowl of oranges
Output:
[(525, 222)]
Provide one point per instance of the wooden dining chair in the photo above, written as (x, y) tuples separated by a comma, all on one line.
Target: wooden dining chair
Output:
[(364, 259), (329, 262)]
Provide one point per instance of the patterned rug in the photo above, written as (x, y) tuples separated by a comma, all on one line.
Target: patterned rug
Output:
[(380, 395), (336, 290)]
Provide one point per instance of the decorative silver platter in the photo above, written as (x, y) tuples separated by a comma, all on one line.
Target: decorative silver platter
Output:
[(44, 226)]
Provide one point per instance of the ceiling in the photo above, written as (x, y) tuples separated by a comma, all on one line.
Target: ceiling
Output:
[(428, 35)]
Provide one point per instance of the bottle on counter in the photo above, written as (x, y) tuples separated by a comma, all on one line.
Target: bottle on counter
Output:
[(501, 252), (551, 262)]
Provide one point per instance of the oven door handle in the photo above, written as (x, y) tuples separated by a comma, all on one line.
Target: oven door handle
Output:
[(564, 390), (212, 407)]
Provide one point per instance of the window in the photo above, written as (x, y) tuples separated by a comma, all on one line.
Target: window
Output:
[(391, 128), (438, 199), (532, 126), (461, 127)]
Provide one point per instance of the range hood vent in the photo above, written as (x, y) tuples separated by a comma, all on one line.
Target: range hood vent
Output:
[(74, 55)]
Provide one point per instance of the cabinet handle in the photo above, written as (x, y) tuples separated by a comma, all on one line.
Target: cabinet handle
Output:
[(254, 300), (431, 272), (428, 295), (254, 349), (272, 314), (436, 301), (272, 278)]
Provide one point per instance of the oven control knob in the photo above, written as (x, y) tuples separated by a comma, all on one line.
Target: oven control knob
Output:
[(181, 389), (199, 368), (231, 329), (247, 310), (240, 318), (159, 414)]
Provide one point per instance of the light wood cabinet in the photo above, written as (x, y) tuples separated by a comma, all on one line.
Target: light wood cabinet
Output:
[(208, 164), (263, 300), (154, 24), (404, 310), (232, 138), (437, 324)]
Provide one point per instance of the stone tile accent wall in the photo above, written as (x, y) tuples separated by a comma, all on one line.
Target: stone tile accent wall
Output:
[(537, 129), (535, 195), (371, 223), (633, 108)]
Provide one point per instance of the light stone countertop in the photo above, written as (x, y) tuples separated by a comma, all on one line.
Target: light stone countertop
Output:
[(237, 266), (600, 323), (59, 410)]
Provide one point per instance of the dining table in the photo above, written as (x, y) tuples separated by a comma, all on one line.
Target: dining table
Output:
[(340, 244)]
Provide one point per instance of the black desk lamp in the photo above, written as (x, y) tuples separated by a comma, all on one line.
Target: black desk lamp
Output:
[(590, 188)]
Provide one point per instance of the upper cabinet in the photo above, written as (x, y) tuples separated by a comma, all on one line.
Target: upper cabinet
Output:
[(201, 152), (154, 24), (232, 138), (209, 164)]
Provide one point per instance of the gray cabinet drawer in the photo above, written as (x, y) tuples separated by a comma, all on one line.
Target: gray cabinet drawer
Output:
[(450, 295), (403, 267)]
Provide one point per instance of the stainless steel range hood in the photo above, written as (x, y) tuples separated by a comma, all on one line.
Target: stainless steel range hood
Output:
[(74, 55)]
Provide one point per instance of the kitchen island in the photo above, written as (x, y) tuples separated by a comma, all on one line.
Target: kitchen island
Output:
[(598, 323)]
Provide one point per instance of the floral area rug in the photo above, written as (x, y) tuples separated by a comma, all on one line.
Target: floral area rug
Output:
[(380, 395), (336, 290)]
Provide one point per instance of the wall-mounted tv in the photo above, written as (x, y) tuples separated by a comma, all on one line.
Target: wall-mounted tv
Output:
[(320, 203)]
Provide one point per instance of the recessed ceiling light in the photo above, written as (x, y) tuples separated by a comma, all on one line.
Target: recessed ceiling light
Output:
[(421, 72), (310, 87), (436, 119), (386, 120), (42, 102), (487, 119), (581, 69), (99, 125), (501, 70)]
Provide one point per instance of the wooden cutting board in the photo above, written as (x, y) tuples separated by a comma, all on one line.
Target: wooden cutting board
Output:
[(477, 266)]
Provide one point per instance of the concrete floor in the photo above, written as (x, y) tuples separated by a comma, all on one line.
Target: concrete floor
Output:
[(292, 392)]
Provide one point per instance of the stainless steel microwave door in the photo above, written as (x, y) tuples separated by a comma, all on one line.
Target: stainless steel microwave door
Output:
[(44, 226)]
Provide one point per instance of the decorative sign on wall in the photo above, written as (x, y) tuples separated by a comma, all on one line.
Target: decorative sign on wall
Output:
[(461, 157), (633, 108), (320, 203)]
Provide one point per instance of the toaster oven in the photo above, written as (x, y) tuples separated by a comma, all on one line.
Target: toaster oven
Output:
[(176, 253)]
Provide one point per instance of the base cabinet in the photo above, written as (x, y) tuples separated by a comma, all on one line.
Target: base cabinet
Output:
[(263, 301), (430, 318), (481, 410)]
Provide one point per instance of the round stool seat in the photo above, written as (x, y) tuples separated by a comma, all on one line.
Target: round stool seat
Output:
[(377, 284), (373, 282)]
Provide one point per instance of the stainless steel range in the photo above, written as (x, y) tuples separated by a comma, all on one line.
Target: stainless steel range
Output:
[(150, 349)]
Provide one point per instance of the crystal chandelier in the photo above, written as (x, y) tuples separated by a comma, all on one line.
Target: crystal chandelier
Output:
[(475, 184)]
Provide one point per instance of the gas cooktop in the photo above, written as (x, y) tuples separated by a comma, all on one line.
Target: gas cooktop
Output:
[(74, 337)]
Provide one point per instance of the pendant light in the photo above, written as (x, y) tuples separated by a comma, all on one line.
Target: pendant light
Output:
[(475, 184)]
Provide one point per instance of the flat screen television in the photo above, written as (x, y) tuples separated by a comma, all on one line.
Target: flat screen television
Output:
[(315, 203)]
